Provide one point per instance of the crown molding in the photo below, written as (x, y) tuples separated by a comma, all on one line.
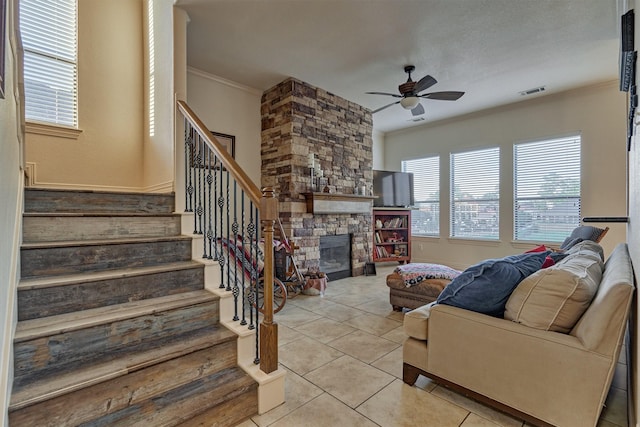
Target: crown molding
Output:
[(224, 81)]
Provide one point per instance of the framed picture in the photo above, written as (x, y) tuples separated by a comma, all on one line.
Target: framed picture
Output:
[(228, 141)]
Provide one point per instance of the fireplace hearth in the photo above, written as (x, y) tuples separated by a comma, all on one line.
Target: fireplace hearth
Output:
[(335, 256)]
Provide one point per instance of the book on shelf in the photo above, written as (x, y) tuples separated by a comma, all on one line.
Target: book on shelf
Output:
[(397, 222)]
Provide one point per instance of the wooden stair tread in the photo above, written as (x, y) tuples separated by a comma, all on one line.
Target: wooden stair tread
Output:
[(118, 241), (73, 279), (86, 376), (52, 325)]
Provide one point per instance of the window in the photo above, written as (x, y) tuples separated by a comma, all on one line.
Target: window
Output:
[(546, 189), (426, 191), (475, 194), (48, 29)]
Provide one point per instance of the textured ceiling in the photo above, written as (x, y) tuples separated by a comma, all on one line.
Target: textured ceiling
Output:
[(490, 49)]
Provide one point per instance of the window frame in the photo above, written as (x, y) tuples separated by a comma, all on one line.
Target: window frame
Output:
[(471, 174), (50, 66), (430, 181), (560, 154)]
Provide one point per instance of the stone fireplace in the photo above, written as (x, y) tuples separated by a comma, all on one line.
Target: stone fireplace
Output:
[(298, 120)]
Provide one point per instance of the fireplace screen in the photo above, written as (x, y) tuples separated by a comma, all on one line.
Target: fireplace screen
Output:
[(335, 256)]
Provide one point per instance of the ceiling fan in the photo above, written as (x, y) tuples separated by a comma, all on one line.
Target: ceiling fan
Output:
[(410, 93)]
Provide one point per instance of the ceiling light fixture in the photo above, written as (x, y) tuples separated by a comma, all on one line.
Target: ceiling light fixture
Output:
[(409, 102)]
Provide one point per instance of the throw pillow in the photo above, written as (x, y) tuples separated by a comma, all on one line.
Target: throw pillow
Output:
[(414, 273), (584, 232), (485, 287), (554, 299)]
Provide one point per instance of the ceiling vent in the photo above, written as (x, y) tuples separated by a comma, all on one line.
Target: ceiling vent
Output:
[(534, 90)]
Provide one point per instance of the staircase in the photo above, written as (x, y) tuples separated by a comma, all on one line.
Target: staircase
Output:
[(114, 323)]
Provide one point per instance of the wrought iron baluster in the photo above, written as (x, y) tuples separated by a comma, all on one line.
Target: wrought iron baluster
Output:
[(244, 268), (209, 235), (188, 141), (257, 273), (199, 192), (234, 229), (253, 284), (221, 258), (229, 232)]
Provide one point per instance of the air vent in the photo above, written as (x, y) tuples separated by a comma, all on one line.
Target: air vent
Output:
[(532, 91)]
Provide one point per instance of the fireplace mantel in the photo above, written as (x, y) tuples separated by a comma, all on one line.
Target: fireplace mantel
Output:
[(330, 203)]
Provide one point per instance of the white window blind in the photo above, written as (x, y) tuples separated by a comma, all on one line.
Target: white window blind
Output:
[(547, 189), (48, 29), (425, 221), (475, 194)]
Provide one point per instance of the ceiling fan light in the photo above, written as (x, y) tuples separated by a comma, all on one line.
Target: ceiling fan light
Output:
[(410, 102)]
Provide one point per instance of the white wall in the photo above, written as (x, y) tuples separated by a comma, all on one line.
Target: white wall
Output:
[(229, 108), (597, 113), (378, 150), (11, 179), (108, 154)]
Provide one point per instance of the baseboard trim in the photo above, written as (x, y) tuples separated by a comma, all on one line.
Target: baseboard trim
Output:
[(31, 180), (10, 321)]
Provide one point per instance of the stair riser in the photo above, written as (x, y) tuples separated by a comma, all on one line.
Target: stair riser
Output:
[(192, 399), (126, 393), (65, 228), (56, 261), (51, 354), (36, 303), (89, 201)]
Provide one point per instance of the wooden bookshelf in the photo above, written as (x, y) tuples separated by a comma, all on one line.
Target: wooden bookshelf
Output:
[(392, 235)]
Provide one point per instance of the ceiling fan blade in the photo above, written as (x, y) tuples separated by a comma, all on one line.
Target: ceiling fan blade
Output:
[(385, 93), (417, 110), (424, 83), (386, 106), (443, 96)]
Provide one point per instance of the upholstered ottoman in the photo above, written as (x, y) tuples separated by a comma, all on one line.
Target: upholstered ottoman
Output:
[(417, 284)]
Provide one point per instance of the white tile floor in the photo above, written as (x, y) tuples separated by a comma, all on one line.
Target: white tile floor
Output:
[(343, 354)]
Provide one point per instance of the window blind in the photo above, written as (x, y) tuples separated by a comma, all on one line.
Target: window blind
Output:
[(425, 221), (547, 189), (48, 29), (475, 194)]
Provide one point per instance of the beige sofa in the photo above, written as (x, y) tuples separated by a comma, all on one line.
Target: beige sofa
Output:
[(541, 376)]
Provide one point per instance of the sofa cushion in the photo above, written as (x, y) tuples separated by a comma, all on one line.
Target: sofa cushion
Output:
[(485, 287), (416, 322), (555, 298), (586, 248)]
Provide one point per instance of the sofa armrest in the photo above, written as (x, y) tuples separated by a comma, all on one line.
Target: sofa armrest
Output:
[(549, 375)]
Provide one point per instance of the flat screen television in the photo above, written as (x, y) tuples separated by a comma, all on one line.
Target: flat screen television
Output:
[(627, 52), (392, 189)]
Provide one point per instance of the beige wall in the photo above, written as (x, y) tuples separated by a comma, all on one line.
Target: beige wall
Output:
[(597, 113), (229, 108), (633, 237), (11, 179), (109, 152), (158, 95)]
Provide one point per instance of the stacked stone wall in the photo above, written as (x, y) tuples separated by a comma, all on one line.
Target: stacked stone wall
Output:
[(299, 119)]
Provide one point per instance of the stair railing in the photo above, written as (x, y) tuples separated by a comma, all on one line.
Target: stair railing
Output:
[(227, 208)]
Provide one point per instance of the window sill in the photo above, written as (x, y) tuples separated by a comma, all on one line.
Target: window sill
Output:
[(52, 130), (474, 241)]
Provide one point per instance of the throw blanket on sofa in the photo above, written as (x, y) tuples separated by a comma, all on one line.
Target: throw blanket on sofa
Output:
[(412, 274)]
